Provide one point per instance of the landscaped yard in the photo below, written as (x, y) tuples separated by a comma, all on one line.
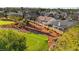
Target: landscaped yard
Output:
[(37, 42), (6, 22), (16, 40)]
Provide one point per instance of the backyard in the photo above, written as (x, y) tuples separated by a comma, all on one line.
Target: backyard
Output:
[(14, 40)]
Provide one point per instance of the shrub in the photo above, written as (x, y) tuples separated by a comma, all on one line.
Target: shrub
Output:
[(69, 40), (12, 40)]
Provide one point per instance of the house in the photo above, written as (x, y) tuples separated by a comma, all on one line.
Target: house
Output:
[(31, 16), (61, 24), (44, 19), (14, 14), (77, 15), (1, 14)]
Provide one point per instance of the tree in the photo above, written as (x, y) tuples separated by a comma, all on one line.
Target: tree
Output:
[(12, 40), (5, 12), (23, 12), (69, 40)]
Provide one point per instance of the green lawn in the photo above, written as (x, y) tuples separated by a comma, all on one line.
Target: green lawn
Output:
[(6, 22), (15, 40), (36, 42)]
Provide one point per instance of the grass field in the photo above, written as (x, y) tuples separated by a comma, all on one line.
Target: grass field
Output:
[(34, 42), (6, 22)]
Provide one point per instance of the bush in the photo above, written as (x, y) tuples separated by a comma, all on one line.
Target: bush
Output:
[(12, 40), (69, 40)]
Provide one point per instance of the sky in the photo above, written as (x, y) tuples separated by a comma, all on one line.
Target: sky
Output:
[(40, 3)]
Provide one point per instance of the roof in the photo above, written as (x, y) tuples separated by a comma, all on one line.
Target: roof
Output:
[(63, 23), (44, 18), (13, 13)]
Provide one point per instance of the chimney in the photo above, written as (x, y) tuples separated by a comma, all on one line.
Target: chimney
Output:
[(59, 23)]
